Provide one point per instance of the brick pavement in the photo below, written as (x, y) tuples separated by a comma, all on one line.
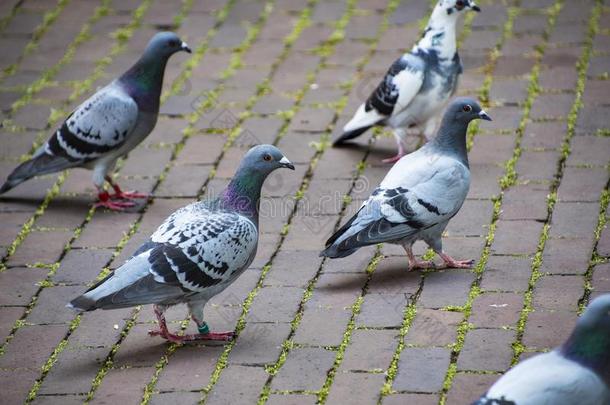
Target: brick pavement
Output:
[(359, 330)]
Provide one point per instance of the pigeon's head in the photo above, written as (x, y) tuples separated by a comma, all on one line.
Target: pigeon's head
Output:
[(165, 44), (265, 158), (455, 7), (466, 109)]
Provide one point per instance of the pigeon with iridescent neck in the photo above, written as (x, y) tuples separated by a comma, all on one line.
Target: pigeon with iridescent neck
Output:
[(195, 254), (107, 126), (419, 195), (577, 372), (418, 85)]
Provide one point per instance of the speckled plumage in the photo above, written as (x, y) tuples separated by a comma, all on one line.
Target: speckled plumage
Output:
[(417, 85)]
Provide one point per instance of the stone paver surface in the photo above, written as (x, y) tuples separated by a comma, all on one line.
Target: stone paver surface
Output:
[(359, 330)]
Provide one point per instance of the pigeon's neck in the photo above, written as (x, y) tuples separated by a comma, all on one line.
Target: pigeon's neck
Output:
[(591, 349), (451, 139), (440, 34), (243, 193), (144, 80)]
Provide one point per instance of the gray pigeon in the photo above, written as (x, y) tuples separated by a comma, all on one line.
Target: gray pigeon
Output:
[(108, 125), (418, 196), (418, 85), (195, 254), (577, 372)]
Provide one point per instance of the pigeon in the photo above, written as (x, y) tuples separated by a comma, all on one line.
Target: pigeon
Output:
[(195, 254), (577, 372), (418, 196), (418, 85), (107, 125)]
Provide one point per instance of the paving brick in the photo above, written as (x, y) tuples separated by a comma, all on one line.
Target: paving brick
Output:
[(496, 310), (74, 371), (566, 256), (117, 385), (580, 184), (40, 247), (525, 201), (382, 310), (28, 351), (415, 399), (291, 399), (189, 368), (467, 388), (446, 288), (284, 273), (17, 384), (370, 350), (304, 369), (566, 224), (259, 343), (51, 305), (355, 388), (275, 304), (516, 237), (486, 349), (8, 317), (547, 329), (322, 325), (433, 327), (23, 282), (175, 398), (558, 292), (422, 369)]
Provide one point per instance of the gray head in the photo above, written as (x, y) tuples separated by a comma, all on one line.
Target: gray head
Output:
[(456, 7), (597, 315), (464, 110), (165, 44), (264, 159)]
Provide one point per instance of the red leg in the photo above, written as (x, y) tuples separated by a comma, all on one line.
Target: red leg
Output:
[(205, 335), (124, 195), (450, 262), (414, 263), (106, 202), (399, 155)]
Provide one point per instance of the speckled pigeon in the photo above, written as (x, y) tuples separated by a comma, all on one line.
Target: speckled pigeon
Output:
[(418, 196), (107, 126), (418, 85), (195, 254), (577, 372)]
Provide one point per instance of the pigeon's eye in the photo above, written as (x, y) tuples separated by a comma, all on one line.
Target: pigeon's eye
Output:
[(467, 108), (173, 43), (267, 158), (460, 4)]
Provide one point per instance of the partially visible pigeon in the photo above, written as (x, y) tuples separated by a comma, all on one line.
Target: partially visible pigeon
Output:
[(577, 372), (418, 196), (108, 125), (195, 254), (418, 85)]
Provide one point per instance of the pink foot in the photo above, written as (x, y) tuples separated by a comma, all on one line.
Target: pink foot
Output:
[(393, 159), (451, 263), (421, 264), (214, 336), (106, 202), (128, 195)]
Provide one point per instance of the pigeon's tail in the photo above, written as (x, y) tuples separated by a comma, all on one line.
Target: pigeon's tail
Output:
[(82, 304), (346, 136), (333, 252), (40, 164), (360, 123)]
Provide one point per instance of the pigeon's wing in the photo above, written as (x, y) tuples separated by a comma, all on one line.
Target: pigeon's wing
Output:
[(99, 125), (399, 86), (418, 193), (548, 379), (194, 250)]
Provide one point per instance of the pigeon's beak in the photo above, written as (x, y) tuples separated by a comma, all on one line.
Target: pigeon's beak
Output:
[(286, 163), (186, 48), (483, 115), (475, 7)]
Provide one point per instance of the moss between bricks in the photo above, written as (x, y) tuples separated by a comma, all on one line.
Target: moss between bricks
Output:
[(582, 65), (506, 181)]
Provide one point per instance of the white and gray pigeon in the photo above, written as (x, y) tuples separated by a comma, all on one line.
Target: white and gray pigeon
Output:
[(577, 372), (418, 196), (107, 125), (195, 254), (418, 85)]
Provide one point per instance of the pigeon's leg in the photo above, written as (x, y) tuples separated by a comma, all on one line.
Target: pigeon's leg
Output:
[(163, 331), (429, 128), (399, 134), (105, 201), (123, 195), (451, 263), (414, 263), (196, 309)]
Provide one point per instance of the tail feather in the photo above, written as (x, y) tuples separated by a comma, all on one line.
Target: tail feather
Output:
[(346, 136), (38, 165)]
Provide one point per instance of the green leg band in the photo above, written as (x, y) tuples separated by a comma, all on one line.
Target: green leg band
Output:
[(204, 329)]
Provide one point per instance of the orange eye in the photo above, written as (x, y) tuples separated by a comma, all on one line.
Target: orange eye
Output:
[(467, 108), (267, 158)]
